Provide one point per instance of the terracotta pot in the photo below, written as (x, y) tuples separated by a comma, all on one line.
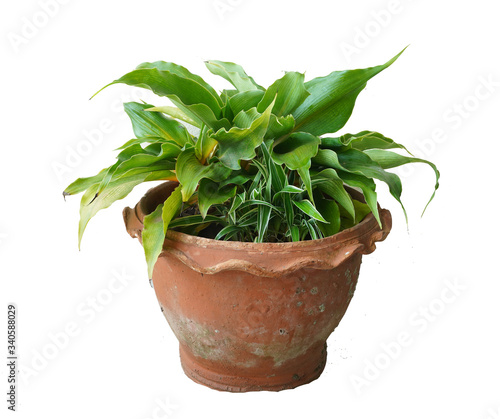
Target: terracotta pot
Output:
[(255, 316)]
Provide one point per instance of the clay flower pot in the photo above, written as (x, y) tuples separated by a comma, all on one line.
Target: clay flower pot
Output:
[(255, 316)]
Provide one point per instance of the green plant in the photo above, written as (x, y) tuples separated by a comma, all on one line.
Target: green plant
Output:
[(260, 168)]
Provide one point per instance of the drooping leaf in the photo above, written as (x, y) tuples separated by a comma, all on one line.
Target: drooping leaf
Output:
[(171, 207), (332, 99), (361, 141), (358, 162), (140, 161), (91, 204), (389, 159), (153, 237)]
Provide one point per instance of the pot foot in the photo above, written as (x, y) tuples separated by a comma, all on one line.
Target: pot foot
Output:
[(308, 367)]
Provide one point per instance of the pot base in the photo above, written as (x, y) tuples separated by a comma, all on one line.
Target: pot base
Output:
[(308, 368)]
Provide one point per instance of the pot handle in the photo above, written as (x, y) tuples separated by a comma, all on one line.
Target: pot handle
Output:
[(379, 234), (133, 224)]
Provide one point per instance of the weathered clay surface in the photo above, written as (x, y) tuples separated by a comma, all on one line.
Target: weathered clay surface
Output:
[(255, 316)]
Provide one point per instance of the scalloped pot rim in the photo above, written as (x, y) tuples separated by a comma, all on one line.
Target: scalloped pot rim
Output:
[(366, 229)]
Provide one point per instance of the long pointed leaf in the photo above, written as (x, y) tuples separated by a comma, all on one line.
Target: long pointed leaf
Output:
[(332, 99)]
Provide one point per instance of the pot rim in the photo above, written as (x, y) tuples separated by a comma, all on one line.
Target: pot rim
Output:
[(368, 227)]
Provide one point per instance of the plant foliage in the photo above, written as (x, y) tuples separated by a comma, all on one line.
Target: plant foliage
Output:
[(263, 166)]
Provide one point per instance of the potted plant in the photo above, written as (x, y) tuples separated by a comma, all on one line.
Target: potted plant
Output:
[(254, 241)]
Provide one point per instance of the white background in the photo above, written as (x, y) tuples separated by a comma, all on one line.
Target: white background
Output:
[(120, 359)]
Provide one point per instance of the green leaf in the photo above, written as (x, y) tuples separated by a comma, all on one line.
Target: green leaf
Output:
[(237, 201), (181, 72), (362, 210), (389, 159), (308, 208), (367, 186), (190, 171), (329, 182), (245, 101), (361, 141), (244, 119), (141, 162), (123, 156), (234, 74), (194, 220), (190, 96), (305, 175), (91, 204), (204, 145), (237, 177), (277, 174), (311, 227), (296, 150), (153, 124), (228, 231), (84, 183), (171, 207), (210, 193), (144, 140), (330, 212), (263, 216), (287, 93), (332, 99), (175, 113), (259, 202), (240, 143), (279, 127), (358, 162), (153, 237), (291, 189)]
